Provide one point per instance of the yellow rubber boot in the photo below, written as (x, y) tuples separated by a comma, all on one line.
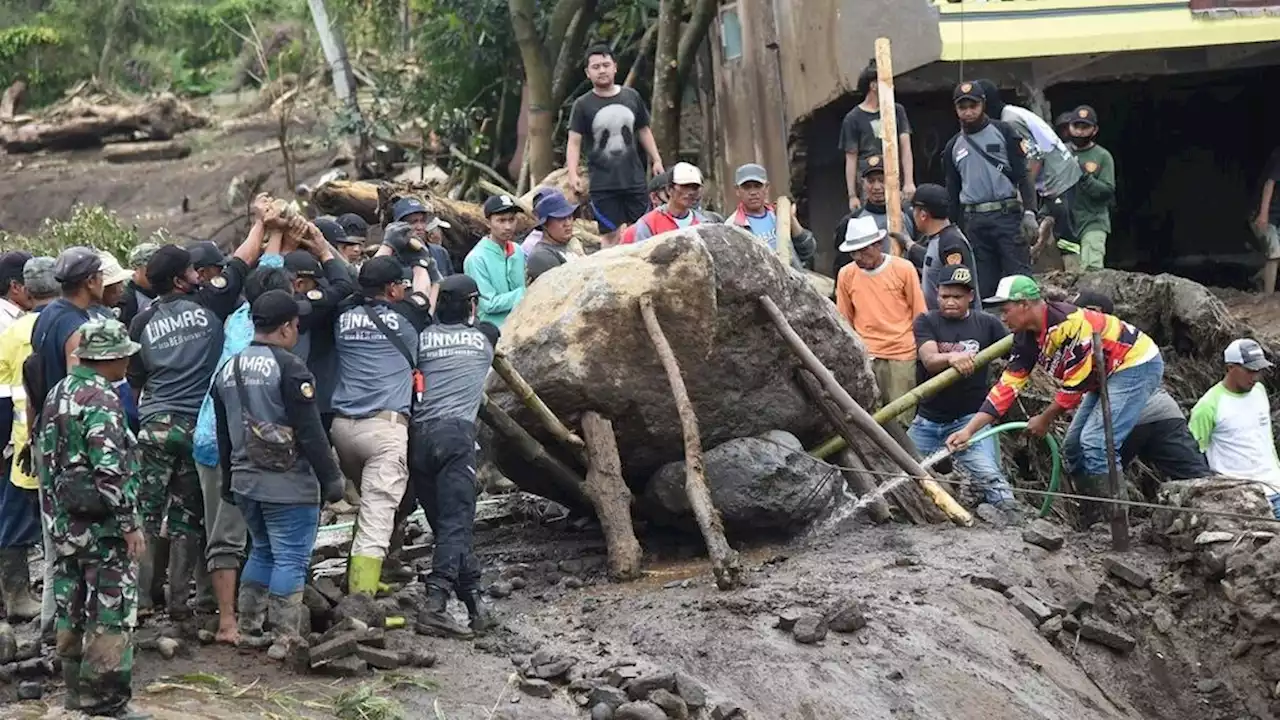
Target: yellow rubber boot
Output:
[(363, 574)]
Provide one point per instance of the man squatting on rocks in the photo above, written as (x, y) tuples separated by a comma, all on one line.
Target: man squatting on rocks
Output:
[(1058, 337)]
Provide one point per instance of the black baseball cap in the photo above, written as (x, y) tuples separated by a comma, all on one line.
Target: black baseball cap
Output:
[(378, 272), (500, 204), (1085, 114), (458, 287), (873, 164), (968, 90), (934, 199), (354, 226), (406, 206), (168, 263), (957, 275), (206, 254), (1094, 300), (302, 264), (331, 230), (76, 264), (274, 308), (11, 264), (1062, 120)]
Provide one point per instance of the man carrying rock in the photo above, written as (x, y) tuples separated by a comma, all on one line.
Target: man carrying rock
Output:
[(276, 466), (555, 218), (496, 263), (757, 216), (1058, 337), (376, 341), (945, 246), (879, 295), (681, 210), (454, 356), (1232, 422), (88, 476), (615, 122), (950, 337)]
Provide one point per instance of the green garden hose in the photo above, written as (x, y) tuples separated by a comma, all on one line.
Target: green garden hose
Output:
[(1055, 476)]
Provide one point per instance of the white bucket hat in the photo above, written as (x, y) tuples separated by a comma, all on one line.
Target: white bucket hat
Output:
[(861, 232)]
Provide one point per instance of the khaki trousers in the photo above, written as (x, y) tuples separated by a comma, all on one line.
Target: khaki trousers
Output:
[(374, 452), (895, 378)]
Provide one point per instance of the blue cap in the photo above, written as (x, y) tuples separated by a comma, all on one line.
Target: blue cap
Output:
[(553, 205), (407, 206)]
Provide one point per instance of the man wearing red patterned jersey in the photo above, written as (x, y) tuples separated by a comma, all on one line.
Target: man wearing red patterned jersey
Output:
[(1058, 337)]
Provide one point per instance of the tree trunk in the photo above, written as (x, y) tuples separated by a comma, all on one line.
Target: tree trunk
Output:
[(335, 55), (537, 77), (112, 30), (646, 44), (695, 31), (666, 82), (568, 71), (610, 496)]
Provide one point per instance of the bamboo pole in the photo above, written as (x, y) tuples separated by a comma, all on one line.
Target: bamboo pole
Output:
[(562, 476), (783, 212), (889, 136), (524, 391), (724, 559), (1118, 511), (863, 419), (610, 496), (923, 391)]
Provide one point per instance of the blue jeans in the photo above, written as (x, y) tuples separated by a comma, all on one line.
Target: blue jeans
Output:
[(1275, 505), (1085, 448), (981, 460), (283, 537), (19, 515)]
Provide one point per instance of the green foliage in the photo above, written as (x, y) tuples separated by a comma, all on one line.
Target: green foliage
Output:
[(89, 225)]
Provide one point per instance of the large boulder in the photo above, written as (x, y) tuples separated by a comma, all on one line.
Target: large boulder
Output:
[(578, 338), (760, 485)]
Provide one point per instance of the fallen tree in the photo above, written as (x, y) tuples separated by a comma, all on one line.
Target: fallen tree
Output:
[(82, 123)]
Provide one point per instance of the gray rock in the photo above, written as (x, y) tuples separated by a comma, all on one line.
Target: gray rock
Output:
[(339, 647), (543, 656), (846, 617), (1163, 620), (694, 694), (1029, 605), (500, 589), (1050, 628), (349, 666), (787, 620), (640, 688), (728, 710), (1078, 604), (990, 582), (783, 438), (552, 670), (1044, 534), (642, 710), (1208, 685), (756, 484), (8, 644), (810, 629), (1127, 571), (1106, 634), (601, 712), (619, 676), (671, 704), (534, 687), (607, 695), (360, 607), (992, 515), (30, 690), (568, 337), (379, 658)]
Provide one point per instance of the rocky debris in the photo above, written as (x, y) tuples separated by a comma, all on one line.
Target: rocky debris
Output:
[(846, 617), (1045, 534), (670, 703), (1050, 628), (758, 485), (810, 629), (500, 589), (640, 688), (534, 687), (339, 647), (1104, 633), (349, 666), (601, 712), (992, 515), (360, 607), (786, 620), (569, 337), (8, 644), (1208, 537), (990, 581), (607, 695), (640, 710), (1078, 604), (1127, 571), (30, 690), (1035, 609), (319, 607), (728, 710), (378, 657)]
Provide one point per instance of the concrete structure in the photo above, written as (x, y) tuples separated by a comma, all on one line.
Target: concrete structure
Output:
[(785, 70)]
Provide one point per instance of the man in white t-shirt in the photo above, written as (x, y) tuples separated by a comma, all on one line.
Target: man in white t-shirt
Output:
[(1232, 422)]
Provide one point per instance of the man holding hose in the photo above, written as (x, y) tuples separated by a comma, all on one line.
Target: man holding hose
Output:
[(1058, 337)]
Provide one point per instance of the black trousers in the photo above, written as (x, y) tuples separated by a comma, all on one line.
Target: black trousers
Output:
[(1168, 446), (442, 473), (999, 249)]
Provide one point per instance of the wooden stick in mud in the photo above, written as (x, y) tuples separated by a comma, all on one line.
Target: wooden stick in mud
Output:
[(724, 559), (862, 419), (524, 391), (565, 478), (610, 496), (861, 483)]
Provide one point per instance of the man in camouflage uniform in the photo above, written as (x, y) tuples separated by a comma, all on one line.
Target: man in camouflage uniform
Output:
[(88, 478)]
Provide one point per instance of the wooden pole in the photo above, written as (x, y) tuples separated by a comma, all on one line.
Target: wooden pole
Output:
[(562, 476), (783, 211), (1119, 513), (862, 419), (524, 391), (889, 136), (610, 496), (724, 559)]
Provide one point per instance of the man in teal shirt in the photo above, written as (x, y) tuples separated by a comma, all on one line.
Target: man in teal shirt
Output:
[(496, 263)]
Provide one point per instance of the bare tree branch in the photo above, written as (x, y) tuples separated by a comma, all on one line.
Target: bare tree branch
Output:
[(646, 44)]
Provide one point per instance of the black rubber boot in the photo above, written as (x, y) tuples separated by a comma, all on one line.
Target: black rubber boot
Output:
[(285, 615), (251, 615), (1091, 512), (434, 619), (184, 556), (482, 619), (71, 678)]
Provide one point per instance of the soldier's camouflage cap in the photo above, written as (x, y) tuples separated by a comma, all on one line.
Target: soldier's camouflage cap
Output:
[(105, 339), (142, 254)]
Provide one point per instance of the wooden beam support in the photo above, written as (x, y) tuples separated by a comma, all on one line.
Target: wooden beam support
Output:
[(524, 391), (610, 496)]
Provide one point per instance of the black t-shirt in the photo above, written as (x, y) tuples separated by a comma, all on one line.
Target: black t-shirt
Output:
[(976, 331), (608, 126), (1273, 173), (860, 131)]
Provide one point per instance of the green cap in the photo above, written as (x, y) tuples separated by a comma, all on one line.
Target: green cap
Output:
[(1014, 288), (105, 339), (141, 255)]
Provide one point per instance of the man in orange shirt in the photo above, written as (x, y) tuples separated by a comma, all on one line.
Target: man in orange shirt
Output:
[(880, 296)]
